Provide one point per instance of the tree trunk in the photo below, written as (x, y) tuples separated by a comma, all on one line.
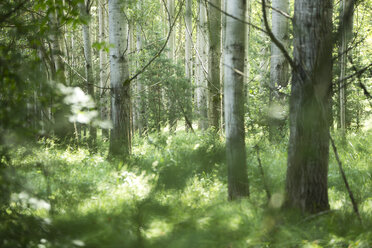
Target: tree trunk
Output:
[(346, 21), (120, 137), (140, 87), (308, 150), (88, 68), (102, 65), (201, 58), (214, 56), (279, 71), (188, 57), (234, 100)]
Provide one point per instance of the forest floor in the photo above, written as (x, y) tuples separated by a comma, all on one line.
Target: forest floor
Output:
[(172, 193)]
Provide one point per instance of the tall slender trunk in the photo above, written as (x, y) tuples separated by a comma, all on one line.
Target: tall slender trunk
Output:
[(102, 65), (346, 21), (308, 149), (279, 66), (140, 87), (214, 57), (172, 37), (234, 100), (88, 67), (120, 137), (188, 57), (279, 71), (201, 63)]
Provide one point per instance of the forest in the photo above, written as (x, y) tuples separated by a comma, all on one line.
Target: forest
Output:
[(185, 123)]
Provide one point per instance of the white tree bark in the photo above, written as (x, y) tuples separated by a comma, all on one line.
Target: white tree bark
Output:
[(120, 138), (214, 56), (234, 100), (202, 65), (172, 37), (88, 66), (140, 87), (279, 71), (102, 63), (188, 44), (188, 56), (346, 33)]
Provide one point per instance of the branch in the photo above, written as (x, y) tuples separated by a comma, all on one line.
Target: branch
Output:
[(127, 82), (280, 12), (275, 40), (355, 205), (11, 12), (236, 18), (262, 172), (358, 74)]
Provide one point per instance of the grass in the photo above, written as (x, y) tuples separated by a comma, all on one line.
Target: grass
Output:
[(173, 193)]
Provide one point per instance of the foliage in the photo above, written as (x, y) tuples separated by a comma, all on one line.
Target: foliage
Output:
[(172, 193)]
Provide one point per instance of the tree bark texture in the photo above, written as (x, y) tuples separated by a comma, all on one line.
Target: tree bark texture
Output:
[(234, 100), (202, 67), (88, 67), (279, 71), (120, 137), (214, 57), (102, 65), (346, 22), (308, 150), (188, 56)]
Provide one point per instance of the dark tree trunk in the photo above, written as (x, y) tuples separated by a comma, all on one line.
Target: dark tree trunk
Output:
[(308, 150)]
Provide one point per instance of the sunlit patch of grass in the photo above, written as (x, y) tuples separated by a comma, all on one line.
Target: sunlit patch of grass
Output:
[(173, 193)]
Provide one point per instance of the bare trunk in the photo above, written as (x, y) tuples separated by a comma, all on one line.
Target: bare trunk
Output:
[(102, 65), (214, 56), (201, 63), (279, 72), (234, 100), (120, 137), (308, 150), (88, 68), (188, 56), (346, 15)]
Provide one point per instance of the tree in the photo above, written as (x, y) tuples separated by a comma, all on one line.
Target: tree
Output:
[(234, 99), (120, 136), (308, 149), (346, 22), (188, 54), (279, 71), (201, 67), (214, 56), (102, 63), (85, 9)]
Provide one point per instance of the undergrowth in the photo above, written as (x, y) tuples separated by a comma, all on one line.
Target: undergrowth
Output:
[(173, 193)]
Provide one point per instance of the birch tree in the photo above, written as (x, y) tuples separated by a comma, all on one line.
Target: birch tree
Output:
[(279, 71), (308, 150), (120, 136), (102, 63), (188, 52), (201, 67), (85, 9), (214, 56), (140, 87), (234, 99), (346, 16)]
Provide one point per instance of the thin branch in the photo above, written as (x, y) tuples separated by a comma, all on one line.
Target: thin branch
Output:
[(355, 205), (159, 52), (236, 18), (280, 12), (275, 40), (257, 148), (358, 74), (11, 12)]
